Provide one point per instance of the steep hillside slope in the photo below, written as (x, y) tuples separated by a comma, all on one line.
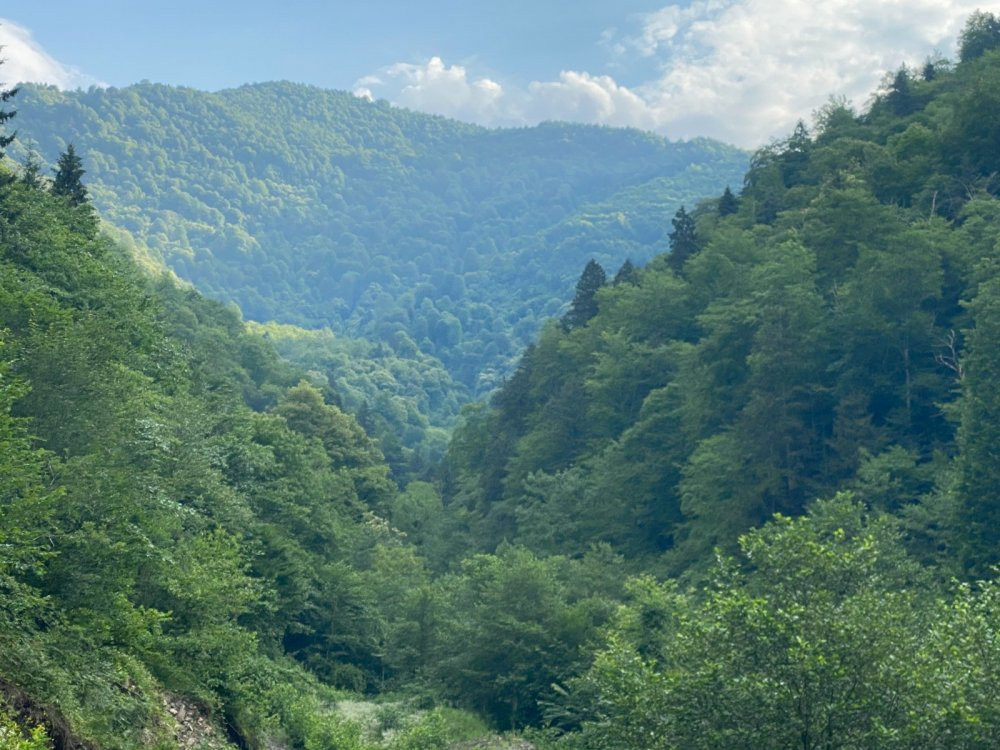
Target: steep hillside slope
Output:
[(318, 208), (814, 338)]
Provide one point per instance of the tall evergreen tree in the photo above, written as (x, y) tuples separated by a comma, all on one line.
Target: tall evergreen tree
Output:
[(979, 433), (683, 240), (626, 274), (929, 71), (728, 203), (900, 98), (67, 182), (6, 114), (584, 305), (31, 174)]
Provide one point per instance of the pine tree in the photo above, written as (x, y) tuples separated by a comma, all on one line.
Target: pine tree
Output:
[(728, 203), (626, 274), (584, 305), (67, 182), (929, 71), (31, 174), (5, 96), (683, 240), (900, 99)]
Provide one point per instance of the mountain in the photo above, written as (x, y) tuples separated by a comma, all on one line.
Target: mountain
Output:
[(320, 209), (811, 341)]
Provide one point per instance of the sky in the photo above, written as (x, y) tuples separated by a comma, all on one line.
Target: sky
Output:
[(742, 71)]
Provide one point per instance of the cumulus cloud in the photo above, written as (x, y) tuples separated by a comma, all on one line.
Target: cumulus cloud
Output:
[(26, 62), (582, 97), (438, 88), (746, 70), (743, 71)]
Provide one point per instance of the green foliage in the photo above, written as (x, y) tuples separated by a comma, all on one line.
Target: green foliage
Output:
[(978, 482), (157, 531), (980, 35), (518, 626), (584, 305), (68, 182), (406, 402), (728, 203), (683, 239), (829, 638), (13, 737), (444, 246), (181, 510), (813, 342)]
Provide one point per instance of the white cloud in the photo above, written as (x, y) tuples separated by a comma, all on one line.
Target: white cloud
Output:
[(439, 88), (743, 71), (746, 70), (25, 61), (582, 97)]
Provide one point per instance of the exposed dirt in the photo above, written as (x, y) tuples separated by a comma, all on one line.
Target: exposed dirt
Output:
[(193, 731)]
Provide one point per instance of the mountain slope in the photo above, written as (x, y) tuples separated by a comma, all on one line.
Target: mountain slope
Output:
[(320, 209), (817, 338)]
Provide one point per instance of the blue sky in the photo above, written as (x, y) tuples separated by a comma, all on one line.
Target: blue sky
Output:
[(740, 70)]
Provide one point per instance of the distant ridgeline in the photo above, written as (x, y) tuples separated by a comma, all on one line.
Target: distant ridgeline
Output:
[(316, 208)]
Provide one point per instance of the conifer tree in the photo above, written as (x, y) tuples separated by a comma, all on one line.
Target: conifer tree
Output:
[(584, 305), (626, 274), (5, 96), (683, 240), (929, 71), (67, 182), (900, 99), (728, 203), (31, 174)]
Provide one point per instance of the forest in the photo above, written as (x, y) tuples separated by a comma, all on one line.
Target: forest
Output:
[(431, 249), (744, 494)]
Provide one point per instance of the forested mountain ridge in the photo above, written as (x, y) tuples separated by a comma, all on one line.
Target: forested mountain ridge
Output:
[(318, 208), (806, 337)]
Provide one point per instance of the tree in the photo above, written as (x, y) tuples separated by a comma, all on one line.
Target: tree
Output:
[(584, 306), (517, 629), (930, 70), (814, 645), (5, 96), (626, 274), (31, 173), (900, 98), (683, 240), (980, 35), (978, 468), (67, 182), (728, 203)]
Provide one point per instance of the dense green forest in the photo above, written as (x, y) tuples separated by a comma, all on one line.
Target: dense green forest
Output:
[(447, 244), (743, 496)]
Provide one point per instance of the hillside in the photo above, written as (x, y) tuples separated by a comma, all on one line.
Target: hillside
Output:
[(193, 544), (320, 209), (809, 341)]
